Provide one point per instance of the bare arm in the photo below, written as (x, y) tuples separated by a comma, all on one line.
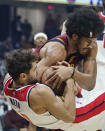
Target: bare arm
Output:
[(50, 54), (87, 78), (62, 110)]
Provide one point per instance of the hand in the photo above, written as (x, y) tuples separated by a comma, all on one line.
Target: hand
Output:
[(72, 84), (76, 88), (60, 74), (93, 50), (64, 63)]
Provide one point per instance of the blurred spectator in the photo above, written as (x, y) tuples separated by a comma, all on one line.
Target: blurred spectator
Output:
[(13, 121), (3, 105), (9, 43), (3, 49), (2, 73), (39, 40), (26, 28), (26, 45), (16, 29), (51, 28)]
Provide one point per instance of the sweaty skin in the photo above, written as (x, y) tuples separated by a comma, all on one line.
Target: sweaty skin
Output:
[(53, 52), (58, 91), (42, 99)]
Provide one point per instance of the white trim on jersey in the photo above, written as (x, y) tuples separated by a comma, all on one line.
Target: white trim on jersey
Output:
[(102, 14), (4, 83)]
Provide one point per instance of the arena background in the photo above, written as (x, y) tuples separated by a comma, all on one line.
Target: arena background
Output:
[(37, 13)]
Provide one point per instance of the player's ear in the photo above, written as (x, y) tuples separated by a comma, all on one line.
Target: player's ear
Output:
[(23, 77), (75, 36)]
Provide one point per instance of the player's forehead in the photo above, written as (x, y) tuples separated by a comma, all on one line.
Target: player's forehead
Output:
[(40, 37)]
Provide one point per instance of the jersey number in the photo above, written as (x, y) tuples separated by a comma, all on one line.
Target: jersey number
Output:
[(15, 102)]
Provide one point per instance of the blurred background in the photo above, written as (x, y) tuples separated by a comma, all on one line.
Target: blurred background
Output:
[(20, 20)]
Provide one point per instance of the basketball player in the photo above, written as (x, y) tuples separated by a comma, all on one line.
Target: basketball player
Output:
[(99, 90), (82, 118), (39, 40), (36, 102), (102, 14), (78, 47)]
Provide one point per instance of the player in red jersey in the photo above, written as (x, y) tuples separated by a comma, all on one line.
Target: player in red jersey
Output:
[(102, 14), (36, 102)]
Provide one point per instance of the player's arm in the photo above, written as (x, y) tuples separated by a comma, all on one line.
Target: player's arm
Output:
[(6, 77), (87, 78), (50, 54), (45, 98)]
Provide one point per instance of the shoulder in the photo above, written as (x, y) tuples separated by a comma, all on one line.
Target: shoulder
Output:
[(40, 90), (53, 49), (39, 94), (7, 76)]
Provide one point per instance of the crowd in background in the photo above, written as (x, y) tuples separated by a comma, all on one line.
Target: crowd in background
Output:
[(21, 37)]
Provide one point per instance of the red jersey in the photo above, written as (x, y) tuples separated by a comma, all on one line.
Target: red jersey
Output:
[(102, 16), (73, 59)]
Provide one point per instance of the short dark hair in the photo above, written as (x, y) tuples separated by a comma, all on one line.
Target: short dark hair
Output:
[(19, 61), (84, 21)]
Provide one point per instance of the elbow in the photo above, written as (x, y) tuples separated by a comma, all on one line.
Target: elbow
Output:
[(91, 87), (69, 119)]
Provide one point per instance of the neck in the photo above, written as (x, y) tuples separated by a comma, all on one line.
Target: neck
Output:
[(16, 85), (71, 47)]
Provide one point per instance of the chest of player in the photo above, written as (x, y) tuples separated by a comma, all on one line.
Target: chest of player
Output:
[(74, 59)]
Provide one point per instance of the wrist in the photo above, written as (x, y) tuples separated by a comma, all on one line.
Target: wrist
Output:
[(73, 71)]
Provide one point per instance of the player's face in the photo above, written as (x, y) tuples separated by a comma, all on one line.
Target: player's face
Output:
[(31, 77), (40, 41), (85, 44)]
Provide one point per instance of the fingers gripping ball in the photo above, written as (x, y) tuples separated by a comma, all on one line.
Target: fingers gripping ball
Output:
[(46, 74)]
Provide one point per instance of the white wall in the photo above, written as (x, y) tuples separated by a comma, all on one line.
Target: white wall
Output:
[(37, 15)]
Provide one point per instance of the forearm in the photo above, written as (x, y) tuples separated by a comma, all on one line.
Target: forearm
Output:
[(69, 100), (41, 68), (86, 78), (85, 81)]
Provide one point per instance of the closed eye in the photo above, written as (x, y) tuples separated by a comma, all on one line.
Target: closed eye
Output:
[(89, 41)]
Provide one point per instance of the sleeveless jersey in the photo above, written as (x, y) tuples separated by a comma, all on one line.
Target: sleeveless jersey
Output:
[(102, 16), (19, 101), (90, 113), (73, 59)]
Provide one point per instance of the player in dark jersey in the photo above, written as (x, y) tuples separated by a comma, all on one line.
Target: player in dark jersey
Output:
[(37, 102), (78, 47)]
